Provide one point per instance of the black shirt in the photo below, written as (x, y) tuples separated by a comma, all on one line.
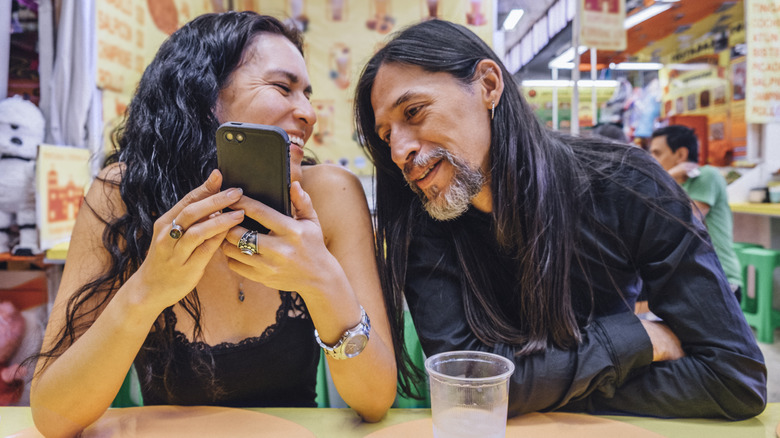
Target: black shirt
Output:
[(631, 248), (275, 369)]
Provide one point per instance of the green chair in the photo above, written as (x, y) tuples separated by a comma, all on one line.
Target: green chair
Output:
[(758, 309), (414, 348), (738, 246), (748, 306), (322, 399), (129, 394)]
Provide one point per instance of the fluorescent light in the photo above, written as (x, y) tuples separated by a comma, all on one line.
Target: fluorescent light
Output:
[(565, 83), (564, 60), (645, 14), (636, 66), (513, 18), (691, 67)]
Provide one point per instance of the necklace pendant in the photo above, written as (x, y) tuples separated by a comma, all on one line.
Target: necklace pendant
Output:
[(241, 295)]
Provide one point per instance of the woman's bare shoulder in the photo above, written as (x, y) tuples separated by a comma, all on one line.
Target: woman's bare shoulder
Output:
[(339, 200), (330, 180), (103, 197), (112, 173)]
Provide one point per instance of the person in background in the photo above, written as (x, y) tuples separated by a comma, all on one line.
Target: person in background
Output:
[(509, 238), (611, 131), (154, 276), (676, 148)]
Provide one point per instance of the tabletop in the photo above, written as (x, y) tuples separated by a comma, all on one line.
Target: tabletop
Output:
[(408, 423), (760, 208)]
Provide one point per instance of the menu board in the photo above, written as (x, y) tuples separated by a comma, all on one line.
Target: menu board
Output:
[(763, 69)]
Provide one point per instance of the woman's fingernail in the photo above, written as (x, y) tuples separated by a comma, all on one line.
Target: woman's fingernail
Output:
[(234, 193), (237, 213)]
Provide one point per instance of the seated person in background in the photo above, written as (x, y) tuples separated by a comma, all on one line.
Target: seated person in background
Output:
[(610, 130), (154, 276), (677, 150), (510, 238)]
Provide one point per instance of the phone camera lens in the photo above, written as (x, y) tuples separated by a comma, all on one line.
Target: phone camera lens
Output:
[(229, 136), (240, 137)]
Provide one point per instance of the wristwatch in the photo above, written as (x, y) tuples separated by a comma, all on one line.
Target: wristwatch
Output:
[(352, 342)]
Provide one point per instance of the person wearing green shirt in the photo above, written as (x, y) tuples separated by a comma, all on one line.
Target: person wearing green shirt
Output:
[(677, 150)]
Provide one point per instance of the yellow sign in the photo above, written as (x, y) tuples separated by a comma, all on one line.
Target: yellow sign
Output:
[(601, 24), (62, 177), (763, 70)]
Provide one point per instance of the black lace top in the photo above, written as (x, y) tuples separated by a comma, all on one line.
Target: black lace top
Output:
[(277, 368)]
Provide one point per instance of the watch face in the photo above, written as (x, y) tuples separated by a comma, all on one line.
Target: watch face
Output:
[(355, 344)]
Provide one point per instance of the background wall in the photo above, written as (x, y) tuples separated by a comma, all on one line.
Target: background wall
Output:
[(340, 36)]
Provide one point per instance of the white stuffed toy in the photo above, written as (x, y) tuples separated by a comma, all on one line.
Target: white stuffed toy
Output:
[(21, 131)]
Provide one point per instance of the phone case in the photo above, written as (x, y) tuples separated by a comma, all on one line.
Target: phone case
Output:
[(256, 158)]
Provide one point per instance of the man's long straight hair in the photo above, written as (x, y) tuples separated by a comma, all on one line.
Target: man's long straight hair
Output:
[(535, 198)]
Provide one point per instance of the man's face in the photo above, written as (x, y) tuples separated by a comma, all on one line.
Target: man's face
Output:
[(661, 151), (438, 130)]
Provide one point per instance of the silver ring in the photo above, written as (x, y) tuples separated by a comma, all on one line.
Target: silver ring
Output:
[(248, 243), (176, 230)]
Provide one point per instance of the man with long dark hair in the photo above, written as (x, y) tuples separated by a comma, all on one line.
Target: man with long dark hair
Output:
[(535, 245)]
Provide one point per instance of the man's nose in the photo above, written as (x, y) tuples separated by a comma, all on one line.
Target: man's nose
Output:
[(403, 148)]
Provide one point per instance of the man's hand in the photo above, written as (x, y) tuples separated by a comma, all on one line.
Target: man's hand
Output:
[(666, 346), (682, 171)]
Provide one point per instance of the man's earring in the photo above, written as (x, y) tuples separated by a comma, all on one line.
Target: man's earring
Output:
[(492, 109)]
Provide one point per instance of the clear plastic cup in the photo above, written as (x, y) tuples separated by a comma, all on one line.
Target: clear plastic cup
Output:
[(469, 393)]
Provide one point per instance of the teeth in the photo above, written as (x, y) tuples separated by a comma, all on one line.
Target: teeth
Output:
[(295, 139), (425, 174)]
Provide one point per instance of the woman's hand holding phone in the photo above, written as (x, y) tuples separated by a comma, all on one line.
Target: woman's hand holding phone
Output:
[(174, 266), (292, 256)]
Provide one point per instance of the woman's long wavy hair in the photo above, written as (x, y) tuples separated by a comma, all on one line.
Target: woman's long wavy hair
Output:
[(167, 147), (540, 185)]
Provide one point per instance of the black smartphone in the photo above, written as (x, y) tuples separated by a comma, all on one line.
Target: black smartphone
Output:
[(256, 158)]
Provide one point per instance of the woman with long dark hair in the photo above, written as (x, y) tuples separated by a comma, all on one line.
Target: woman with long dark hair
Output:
[(159, 274), (535, 245)]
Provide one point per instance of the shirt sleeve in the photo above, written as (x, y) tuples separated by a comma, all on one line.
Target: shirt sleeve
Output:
[(612, 346), (704, 188)]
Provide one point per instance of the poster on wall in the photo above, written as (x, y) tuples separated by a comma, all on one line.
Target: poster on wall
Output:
[(62, 177), (542, 102), (601, 24), (763, 69), (339, 37), (129, 32)]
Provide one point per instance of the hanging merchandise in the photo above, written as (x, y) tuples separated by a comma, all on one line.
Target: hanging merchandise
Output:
[(612, 111), (648, 110)]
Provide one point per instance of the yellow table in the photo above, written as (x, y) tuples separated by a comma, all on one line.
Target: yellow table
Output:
[(763, 208), (343, 423)]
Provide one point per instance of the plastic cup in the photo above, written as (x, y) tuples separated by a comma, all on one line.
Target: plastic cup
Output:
[(469, 393)]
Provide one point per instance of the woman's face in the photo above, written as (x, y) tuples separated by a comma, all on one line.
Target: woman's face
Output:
[(271, 87)]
